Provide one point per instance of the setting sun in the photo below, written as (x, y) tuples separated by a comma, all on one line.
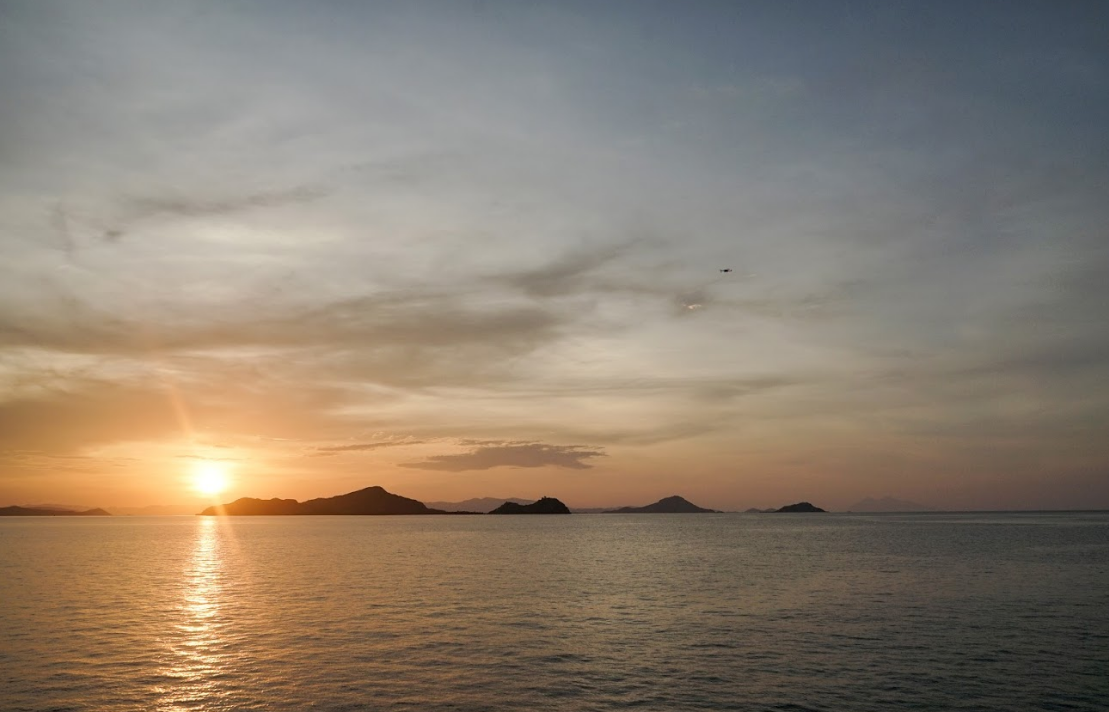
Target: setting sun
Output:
[(210, 477)]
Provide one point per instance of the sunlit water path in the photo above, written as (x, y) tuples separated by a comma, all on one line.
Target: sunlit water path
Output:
[(587, 612)]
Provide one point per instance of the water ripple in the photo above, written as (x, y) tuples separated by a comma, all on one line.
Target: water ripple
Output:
[(574, 613)]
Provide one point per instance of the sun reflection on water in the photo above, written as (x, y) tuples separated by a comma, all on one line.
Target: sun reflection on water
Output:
[(196, 650)]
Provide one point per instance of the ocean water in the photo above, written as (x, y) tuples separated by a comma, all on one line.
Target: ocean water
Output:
[(585, 612)]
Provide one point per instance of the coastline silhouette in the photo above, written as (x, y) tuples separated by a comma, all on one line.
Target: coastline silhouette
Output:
[(368, 501), (371, 500), (16, 511)]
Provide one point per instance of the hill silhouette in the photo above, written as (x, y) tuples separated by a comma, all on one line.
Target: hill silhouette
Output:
[(545, 505), (16, 511), (153, 510), (667, 505), (800, 507), (52, 505), (476, 504), (371, 500)]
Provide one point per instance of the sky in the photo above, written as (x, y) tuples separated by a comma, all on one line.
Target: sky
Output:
[(464, 249)]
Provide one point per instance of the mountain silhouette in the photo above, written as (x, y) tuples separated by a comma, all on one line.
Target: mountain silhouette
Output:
[(545, 505), (52, 505), (371, 500), (476, 504), (667, 505), (15, 511), (800, 507), (153, 510)]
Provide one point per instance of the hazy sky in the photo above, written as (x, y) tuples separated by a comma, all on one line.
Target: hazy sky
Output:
[(472, 248)]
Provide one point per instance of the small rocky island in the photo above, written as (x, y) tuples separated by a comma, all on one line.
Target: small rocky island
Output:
[(16, 511), (667, 505), (800, 507), (545, 505), (371, 500)]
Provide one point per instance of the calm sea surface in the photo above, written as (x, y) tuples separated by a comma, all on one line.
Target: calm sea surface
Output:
[(586, 612)]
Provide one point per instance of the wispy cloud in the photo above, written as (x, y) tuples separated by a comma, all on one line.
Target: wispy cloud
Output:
[(113, 220), (194, 206), (575, 272), (329, 450), (518, 455)]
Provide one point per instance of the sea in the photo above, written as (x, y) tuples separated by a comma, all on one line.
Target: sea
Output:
[(582, 612)]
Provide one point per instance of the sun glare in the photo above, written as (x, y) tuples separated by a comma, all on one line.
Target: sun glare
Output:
[(210, 477)]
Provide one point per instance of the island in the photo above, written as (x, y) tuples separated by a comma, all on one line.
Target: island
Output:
[(667, 505), (545, 505), (800, 507), (476, 505), (371, 500), (16, 511)]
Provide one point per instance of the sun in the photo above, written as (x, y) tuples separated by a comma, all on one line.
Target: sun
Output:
[(210, 477)]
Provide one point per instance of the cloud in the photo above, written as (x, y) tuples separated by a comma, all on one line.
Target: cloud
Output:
[(574, 272), (76, 227), (400, 335), (59, 221), (514, 454), (192, 207), (136, 209), (358, 447), (67, 410)]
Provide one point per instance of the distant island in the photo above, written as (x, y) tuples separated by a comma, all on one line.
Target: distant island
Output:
[(476, 504), (154, 510), (888, 504), (16, 511), (371, 500), (545, 505), (667, 505), (799, 507)]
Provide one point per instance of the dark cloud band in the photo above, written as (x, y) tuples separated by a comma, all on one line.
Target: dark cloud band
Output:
[(511, 455)]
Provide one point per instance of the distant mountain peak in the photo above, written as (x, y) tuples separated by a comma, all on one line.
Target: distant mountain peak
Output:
[(674, 504)]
